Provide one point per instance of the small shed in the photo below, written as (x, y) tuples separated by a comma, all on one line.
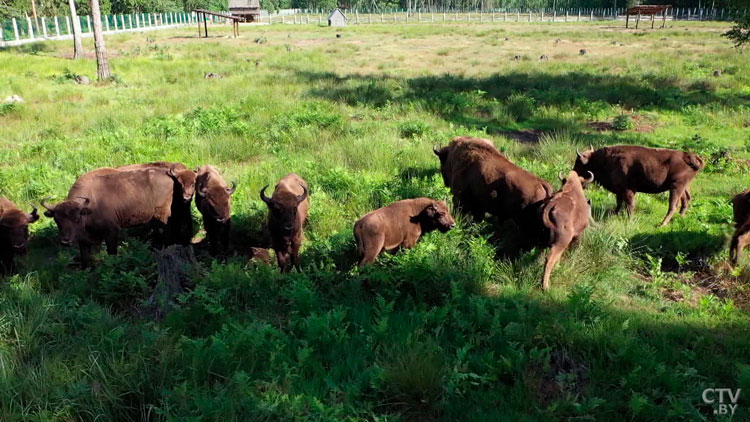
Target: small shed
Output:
[(647, 10), (336, 18), (246, 10)]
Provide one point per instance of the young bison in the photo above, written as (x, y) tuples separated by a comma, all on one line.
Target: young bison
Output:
[(566, 215), (400, 224), (14, 233), (214, 201), (287, 214), (628, 169), (741, 237)]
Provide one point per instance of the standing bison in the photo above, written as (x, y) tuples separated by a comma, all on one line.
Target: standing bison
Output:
[(14, 233), (287, 214), (628, 169), (741, 237), (104, 201), (180, 224), (483, 180), (214, 201), (400, 224), (565, 215)]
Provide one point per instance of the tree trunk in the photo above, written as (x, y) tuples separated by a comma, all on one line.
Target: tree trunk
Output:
[(33, 12), (77, 45), (102, 64)]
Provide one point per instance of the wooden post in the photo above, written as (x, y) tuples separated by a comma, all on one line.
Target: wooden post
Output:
[(15, 29), (44, 27), (652, 21), (627, 20), (57, 27), (106, 23), (591, 19), (199, 23), (31, 28), (664, 19), (638, 19), (67, 25)]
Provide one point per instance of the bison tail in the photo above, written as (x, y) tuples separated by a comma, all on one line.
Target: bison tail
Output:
[(358, 239), (549, 222)]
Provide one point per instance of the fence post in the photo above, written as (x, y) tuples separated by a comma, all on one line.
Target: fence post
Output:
[(2, 39), (44, 28), (31, 29), (57, 27), (88, 23), (67, 24), (15, 29), (591, 19), (106, 23)]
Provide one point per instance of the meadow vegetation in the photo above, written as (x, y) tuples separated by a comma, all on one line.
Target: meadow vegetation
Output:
[(639, 320)]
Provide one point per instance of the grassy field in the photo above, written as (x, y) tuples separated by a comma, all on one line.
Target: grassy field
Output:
[(639, 320)]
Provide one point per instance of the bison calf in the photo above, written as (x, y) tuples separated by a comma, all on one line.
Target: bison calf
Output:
[(14, 233), (214, 201), (565, 215), (741, 237), (628, 169), (400, 224), (287, 213)]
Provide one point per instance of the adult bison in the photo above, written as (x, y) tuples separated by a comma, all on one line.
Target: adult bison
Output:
[(287, 214), (180, 225), (104, 201), (214, 201), (741, 237), (483, 180), (400, 224), (14, 233), (628, 169), (565, 216)]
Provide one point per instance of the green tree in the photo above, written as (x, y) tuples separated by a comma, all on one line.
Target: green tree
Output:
[(740, 33)]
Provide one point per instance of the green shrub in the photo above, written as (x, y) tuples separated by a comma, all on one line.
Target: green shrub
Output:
[(520, 106), (622, 122)]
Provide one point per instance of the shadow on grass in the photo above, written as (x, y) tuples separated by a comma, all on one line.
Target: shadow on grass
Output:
[(696, 246)]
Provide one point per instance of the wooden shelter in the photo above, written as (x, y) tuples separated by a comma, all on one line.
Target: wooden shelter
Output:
[(337, 18), (647, 10), (248, 10), (203, 14)]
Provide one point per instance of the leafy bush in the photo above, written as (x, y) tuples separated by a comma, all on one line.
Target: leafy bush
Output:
[(412, 129), (520, 106), (622, 122)]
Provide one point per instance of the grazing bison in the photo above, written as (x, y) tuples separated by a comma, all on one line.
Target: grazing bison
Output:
[(565, 215), (214, 201), (14, 233), (627, 169), (287, 213), (104, 201), (484, 180), (400, 224), (741, 237), (180, 224)]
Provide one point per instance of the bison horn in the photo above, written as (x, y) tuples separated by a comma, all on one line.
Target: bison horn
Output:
[(579, 153), (590, 178), (436, 150), (232, 189), (85, 201), (44, 204), (171, 172), (33, 209), (302, 197), (560, 176), (263, 196)]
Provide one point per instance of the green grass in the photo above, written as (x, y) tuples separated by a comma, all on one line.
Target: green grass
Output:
[(639, 320)]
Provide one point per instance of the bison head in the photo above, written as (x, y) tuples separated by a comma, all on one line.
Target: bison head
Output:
[(694, 160), (14, 227), (70, 218), (186, 180), (442, 154), (215, 200), (283, 208), (435, 216), (584, 181), (582, 161)]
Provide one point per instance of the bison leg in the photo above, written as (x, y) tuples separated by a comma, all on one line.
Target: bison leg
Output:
[(629, 196), (675, 194), (555, 253), (227, 226), (86, 255), (371, 248), (685, 202), (740, 240), (282, 258), (7, 264), (111, 241)]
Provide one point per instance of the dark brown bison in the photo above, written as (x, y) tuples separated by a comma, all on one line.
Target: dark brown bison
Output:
[(400, 224), (287, 214), (565, 215), (483, 180), (741, 237), (214, 201), (628, 169), (104, 201), (14, 233), (180, 226)]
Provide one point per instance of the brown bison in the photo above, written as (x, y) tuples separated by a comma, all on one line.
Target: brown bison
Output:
[(400, 224), (214, 201), (104, 201), (741, 237), (483, 180), (14, 233), (627, 169), (565, 215), (180, 224), (287, 214)]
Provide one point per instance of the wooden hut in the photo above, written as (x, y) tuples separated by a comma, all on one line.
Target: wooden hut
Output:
[(247, 10), (647, 10), (336, 18)]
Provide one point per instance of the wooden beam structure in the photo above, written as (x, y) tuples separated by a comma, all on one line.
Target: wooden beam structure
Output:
[(647, 10), (202, 16)]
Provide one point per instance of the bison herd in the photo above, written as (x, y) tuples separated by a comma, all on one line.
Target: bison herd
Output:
[(481, 179)]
